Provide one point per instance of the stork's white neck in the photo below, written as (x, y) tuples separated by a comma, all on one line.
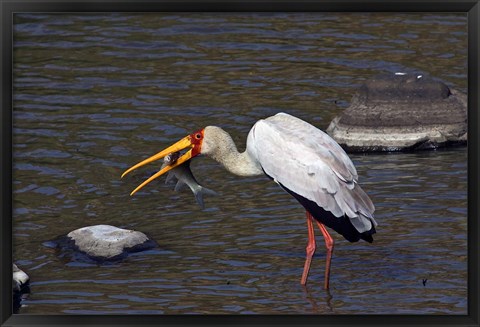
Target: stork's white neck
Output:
[(218, 145)]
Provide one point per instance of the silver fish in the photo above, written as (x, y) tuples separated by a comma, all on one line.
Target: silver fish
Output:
[(183, 175)]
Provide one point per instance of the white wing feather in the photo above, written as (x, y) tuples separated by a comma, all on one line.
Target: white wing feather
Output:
[(310, 163)]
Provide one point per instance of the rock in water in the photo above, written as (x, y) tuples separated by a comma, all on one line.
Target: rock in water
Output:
[(20, 287), (20, 279), (402, 112), (105, 242)]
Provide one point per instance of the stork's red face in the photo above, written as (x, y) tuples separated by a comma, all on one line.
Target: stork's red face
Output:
[(192, 141)]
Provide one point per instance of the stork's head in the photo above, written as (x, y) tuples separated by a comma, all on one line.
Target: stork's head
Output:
[(193, 142)]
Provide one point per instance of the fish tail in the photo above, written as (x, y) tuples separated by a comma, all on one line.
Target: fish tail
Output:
[(199, 198), (200, 192), (208, 191)]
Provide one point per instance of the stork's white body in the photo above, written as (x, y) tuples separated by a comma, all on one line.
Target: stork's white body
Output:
[(303, 160), (310, 163)]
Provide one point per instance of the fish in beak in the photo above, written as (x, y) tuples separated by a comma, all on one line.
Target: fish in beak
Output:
[(193, 142)]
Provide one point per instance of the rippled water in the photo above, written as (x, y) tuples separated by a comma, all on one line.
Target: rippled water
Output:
[(95, 93)]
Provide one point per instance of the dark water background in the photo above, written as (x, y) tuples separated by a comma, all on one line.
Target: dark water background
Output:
[(96, 93)]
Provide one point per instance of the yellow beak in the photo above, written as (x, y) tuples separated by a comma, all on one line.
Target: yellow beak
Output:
[(180, 145)]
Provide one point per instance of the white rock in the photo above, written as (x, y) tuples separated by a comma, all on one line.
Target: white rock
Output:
[(20, 278), (107, 242)]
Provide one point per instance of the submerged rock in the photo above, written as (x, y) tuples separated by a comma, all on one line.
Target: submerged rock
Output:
[(105, 242), (402, 112)]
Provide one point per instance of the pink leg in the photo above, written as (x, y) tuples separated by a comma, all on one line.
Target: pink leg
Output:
[(311, 246), (329, 244)]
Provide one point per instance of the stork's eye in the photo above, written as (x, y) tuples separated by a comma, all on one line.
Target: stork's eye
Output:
[(198, 136)]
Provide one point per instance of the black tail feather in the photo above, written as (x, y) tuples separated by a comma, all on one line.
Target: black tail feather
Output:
[(341, 225)]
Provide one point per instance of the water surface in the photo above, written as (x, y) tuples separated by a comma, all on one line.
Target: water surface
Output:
[(96, 93)]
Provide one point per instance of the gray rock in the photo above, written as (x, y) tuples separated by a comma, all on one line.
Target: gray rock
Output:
[(402, 112), (105, 242), (20, 279)]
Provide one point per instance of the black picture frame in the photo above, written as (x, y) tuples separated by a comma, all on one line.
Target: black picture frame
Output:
[(8, 8)]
